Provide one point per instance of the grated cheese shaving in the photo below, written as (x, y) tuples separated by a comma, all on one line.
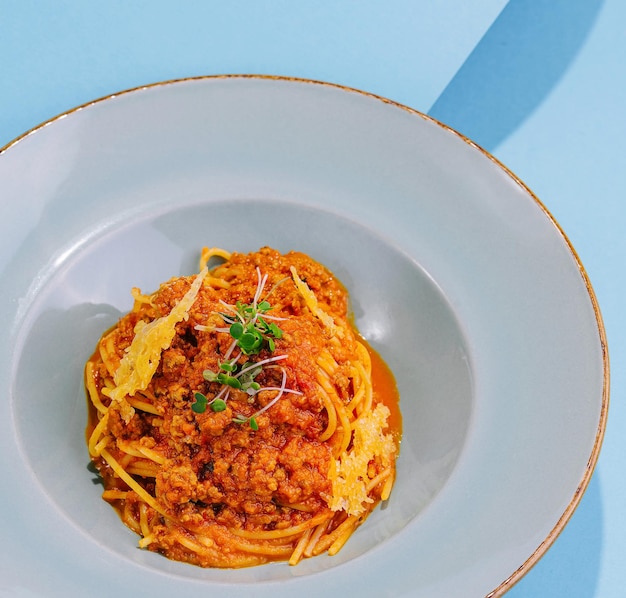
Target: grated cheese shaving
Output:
[(311, 302), (349, 474), (143, 355)]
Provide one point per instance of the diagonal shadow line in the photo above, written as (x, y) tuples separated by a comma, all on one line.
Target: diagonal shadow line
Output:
[(514, 67)]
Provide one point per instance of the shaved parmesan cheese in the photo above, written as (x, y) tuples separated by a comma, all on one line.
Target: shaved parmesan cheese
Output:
[(143, 355), (311, 302), (349, 475)]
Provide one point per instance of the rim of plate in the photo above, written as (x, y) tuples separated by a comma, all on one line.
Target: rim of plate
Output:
[(508, 583)]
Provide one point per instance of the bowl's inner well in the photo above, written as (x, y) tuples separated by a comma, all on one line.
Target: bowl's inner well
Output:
[(397, 307)]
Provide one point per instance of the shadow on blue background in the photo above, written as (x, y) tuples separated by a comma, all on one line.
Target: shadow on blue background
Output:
[(517, 63), (514, 67)]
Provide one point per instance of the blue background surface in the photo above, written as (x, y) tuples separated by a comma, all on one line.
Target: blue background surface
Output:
[(541, 84)]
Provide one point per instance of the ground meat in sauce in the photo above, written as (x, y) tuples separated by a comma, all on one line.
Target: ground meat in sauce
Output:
[(218, 472)]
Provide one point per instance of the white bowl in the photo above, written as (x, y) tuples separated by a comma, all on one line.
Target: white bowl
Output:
[(458, 275)]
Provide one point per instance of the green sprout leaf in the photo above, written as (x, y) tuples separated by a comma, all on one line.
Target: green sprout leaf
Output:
[(250, 342), (229, 381), (237, 330), (275, 330), (218, 405), (209, 376), (242, 419), (199, 406)]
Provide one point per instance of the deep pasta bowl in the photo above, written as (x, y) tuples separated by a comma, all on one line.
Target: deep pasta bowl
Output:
[(459, 278)]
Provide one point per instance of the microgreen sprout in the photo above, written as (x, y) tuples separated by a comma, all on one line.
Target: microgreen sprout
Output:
[(250, 325), (218, 405), (282, 389), (201, 401), (252, 329), (242, 419), (200, 404)]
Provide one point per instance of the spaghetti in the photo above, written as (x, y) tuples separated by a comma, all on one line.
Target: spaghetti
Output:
[(237, 418)]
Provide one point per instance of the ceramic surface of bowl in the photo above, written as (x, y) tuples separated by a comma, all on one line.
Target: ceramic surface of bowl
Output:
[(459, 278)]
